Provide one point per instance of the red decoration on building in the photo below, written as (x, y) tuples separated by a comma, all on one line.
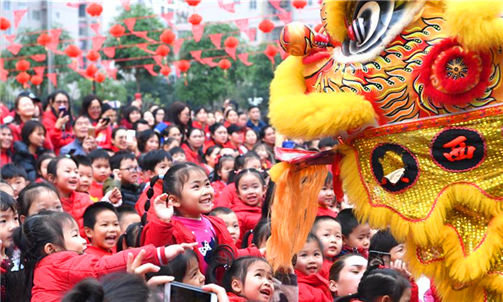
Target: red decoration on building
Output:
[(299, 4), (44, 39), (73, 51), (94, 9), (224, 64), (165, 70), (100, 77), (22, 65), (184, 65), (162, 50), (195, 19), (23, 77), (167, 37), (266, 26), (231, 42), (91, 70), (117, 30), (36, 80), (93, 55), (4, 23)]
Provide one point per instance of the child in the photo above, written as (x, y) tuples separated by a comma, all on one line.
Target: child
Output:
[(184, 268), (223, 167), (15, 176), (345, 274), (381, 285), (326, 198), (100, 162), (231, 221), (328, 231), (250, 187), (4, 186), (85, 175), (37, 197), (101, 226), (9, 218), (261, 150), (178, 154), (259, 236), (126, 170), (63, 173), (249, 279), (229, 194), (156, 163), (307, 264), (52, 252), (127, 216), (355, 236), (188, 195), (41, 165)]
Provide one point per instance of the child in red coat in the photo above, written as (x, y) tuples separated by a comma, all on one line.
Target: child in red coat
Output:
[(101, 225), (328, 231), (180, 214), (224, 166), (307, 263), (251, 188), (326, 198), (52, 252)]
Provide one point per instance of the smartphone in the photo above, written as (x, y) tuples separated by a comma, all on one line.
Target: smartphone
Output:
[(180, 292), (91, 132), (106, 120), (130, 135), (63, 109), (377, 259)]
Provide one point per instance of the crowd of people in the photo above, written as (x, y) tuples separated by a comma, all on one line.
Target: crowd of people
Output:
[(108, 202)]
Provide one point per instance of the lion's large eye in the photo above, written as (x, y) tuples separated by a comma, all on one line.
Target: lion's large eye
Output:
[(371, 23)]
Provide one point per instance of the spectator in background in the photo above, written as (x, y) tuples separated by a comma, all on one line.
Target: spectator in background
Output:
[(148, 140), (141, 125), (149, 118), (119, 142), (6, 140), (179, 114), (83, 143), (251, 138), (219, 137), (159, 115), (193, 144), (24, 110), (110, 113), (242, 120), (255, 122), (30, 147), (130, 115), (236, 138), (201, 121), (268, 137), (91, 107), (173, 131), (231, 117), (58, 119)]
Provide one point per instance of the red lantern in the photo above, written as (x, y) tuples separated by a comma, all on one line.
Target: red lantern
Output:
[(93, 55), (162, 50), (184, 65), (167, 37), (224, 64), (44, 39), (73, 51), (195, 19), (94, 9), (231, 42), (91, 70), (23, 77), (100, 77), (117, 30), (271, 50), (36, 80), (22, 65), (193, 2), (4, 23), (165, 70), (266, 26), (299, 4)]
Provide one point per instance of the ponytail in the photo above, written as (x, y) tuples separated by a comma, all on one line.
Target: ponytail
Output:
[(150, 194), (221, 259), (86, 290)]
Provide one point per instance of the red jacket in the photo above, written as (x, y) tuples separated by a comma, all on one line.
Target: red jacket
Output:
[(160, 233), (235, 298), (96, 191), (59, 272), (191, 155), (323, 211), (140, 204), (104, 138), (325, 269), (91, 249), (248, 216), (313, 288), (75, 205), (57, 137), (16, 134), (218, 186), (5, 157), (228, 197)]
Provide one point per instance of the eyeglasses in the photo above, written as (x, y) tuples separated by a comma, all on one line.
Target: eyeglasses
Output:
[(132, 169)]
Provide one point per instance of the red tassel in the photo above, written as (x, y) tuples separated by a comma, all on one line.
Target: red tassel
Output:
[(336, 171)]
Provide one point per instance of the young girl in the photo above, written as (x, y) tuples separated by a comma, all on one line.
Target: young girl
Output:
[(326, 198), (53, 259), (224, 166), (8, 222), (307, 264), (210, 160), (37, 197), (184, 268), (30, 147), (148, 140), (42, 163), (249, 279), (381, 285), (63, 173), (250, 187), (265, 157), (188, 195)]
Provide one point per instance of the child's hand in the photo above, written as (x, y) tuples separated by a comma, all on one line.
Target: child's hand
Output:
[(220, 291), (62, 120), (401, 267), (115, 196), (163, 208), (176, 249), (134, 266)]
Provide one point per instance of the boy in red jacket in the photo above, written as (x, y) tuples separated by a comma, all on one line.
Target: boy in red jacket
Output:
[(101, 225), (328, 231), (101, 171)]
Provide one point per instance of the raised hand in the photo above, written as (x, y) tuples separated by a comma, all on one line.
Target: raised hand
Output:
[(163, 207)]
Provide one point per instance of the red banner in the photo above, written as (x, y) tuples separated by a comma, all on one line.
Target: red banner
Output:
[(10, 38), (231, 51), (242, 24), (196, 54), (286, 17), (3, 75), (38, 58), (112, 73), (14, 48), (109, 52), (197, 32), (228, 6), (143, 46), (130, 23), (73, 4), (209, 62), (177, 45), (53, 77), (98, 42), (216, 39), (39, 70), (169, 17), (18, 15), (95, 27), (158, 60), (150, 69), (143, 34), (244, 58), (126, 3)]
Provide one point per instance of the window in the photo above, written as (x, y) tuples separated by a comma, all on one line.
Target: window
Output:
[(35, 15), (6, 5), (253, 4), (82, 10)]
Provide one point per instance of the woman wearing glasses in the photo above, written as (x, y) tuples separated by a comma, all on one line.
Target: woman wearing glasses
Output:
[(58, 119)]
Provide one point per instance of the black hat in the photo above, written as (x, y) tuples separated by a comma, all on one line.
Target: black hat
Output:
[(31, 95)]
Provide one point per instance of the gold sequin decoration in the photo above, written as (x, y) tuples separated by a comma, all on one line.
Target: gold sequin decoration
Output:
[(418, 201), (430, 254), (470, 226)]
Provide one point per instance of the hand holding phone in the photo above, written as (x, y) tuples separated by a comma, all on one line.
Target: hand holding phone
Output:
[(130, 136), (377, 259), (180, 292), (91, 131)]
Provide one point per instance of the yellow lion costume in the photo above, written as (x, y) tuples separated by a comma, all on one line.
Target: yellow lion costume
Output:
[(413, 91)]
